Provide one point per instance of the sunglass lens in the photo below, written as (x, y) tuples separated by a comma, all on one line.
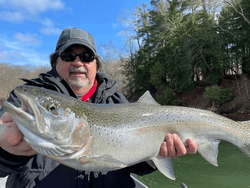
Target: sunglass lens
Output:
[(64, 56), (86, 57), (72, 56), (67, 56)]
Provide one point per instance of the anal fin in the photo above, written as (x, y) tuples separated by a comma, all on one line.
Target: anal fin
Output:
[(210, 151), (165, 166)]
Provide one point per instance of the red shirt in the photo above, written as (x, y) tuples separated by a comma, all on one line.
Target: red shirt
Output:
[(88, 95)]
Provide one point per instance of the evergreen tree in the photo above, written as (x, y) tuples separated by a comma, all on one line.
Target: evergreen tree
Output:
[(180, 41)]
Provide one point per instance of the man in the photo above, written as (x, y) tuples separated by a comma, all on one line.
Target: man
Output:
[(74, 72)]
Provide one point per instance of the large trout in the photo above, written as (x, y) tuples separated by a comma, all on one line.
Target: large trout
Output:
[(103, 137)]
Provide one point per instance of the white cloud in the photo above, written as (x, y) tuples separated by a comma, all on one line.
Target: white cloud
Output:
[(12, 50), (16, 52), (49, 27), (35, 58), (50, 31), (4, 56), (17, 55), (32, 6), (16, 17), (10, 55), (17, 11), (2, 46), (27, 39)]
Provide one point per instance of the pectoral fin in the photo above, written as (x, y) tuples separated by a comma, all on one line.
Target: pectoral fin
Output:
[(209, 151), (165, 166)]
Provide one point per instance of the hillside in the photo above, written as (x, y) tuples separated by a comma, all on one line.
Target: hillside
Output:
[(240, 88)]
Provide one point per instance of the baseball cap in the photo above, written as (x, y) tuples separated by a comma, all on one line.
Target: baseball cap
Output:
[(72, 36)]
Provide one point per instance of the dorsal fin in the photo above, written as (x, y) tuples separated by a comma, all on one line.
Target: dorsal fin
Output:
[(147, 98)]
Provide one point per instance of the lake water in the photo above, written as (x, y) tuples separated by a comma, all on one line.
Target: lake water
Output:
[(193, 170)]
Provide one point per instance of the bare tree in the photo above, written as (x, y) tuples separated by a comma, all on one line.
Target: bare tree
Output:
[(234, 4), (132, 22), (10, 76), (112, 64)]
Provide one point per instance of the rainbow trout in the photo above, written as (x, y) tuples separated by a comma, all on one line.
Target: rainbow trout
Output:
[(106, 137)]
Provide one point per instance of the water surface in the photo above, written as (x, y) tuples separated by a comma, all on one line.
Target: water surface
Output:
[(193, 170)]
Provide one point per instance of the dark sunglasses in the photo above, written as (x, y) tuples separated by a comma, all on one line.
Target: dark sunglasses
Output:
[(70, 56)]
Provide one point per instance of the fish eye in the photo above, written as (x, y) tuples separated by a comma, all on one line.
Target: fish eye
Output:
[(52, 108)]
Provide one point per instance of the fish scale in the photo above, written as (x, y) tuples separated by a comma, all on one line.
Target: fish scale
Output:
[(106, 137)]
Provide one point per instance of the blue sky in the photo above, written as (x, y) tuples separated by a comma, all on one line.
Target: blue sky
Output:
[(30, 28)]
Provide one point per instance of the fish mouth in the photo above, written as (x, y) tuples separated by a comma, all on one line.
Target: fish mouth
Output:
[(24, 117), (26, 107), (31, 110), (21, 114), (26, 104), (56, 126), (35, 125)]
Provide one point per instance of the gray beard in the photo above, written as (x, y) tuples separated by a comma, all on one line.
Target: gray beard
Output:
[(78, 83)]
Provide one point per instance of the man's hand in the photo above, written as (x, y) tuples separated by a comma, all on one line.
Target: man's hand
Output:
[(173, 147), (11, 139)]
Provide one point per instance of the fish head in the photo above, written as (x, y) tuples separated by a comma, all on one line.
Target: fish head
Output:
[(49, 115)]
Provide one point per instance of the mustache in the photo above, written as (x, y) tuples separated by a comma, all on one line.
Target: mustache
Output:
[(79, 69)]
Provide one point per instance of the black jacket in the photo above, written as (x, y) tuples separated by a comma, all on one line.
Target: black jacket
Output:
[(39, 171)]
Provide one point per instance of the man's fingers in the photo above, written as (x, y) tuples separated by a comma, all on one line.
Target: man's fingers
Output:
[(16, 151), (11, 139), (170, 145), (192, 146), (6, 117), (174, 147), (13, 135), (164, 151), (25, 149), (24, 145), (179, 146), (16, 145)]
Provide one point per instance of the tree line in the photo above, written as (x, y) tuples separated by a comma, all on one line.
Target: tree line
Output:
[(10, 76), (177, 43), (172, 46)]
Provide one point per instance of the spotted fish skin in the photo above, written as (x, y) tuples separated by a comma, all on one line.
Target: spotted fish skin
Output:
[(106, 137)]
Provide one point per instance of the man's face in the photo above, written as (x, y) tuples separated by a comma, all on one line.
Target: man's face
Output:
[(80, 75)]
